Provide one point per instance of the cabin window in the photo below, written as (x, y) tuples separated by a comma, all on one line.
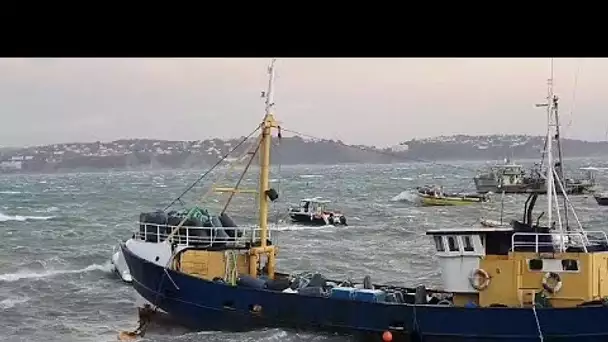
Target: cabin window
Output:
[(452, 244), (468, 243), (535, 264), (439, 243), (570, 265)]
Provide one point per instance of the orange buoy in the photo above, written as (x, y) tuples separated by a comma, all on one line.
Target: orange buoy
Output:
[(387, 336)]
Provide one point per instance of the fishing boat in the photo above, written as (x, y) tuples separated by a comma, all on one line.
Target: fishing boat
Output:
[(435, 196), (527, 282), (231, 282), (314, 212), (512, 178), (508, 177)]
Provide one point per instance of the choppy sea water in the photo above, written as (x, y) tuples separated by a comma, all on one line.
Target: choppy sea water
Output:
[(58, 232)]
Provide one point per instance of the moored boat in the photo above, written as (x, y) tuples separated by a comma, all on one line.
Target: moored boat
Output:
[(314, 212), (508, 177), (232, 283), (435, 196), (527, 282), (512, 178)]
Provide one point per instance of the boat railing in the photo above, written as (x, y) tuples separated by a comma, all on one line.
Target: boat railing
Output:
[(546, 242), (199, 236)]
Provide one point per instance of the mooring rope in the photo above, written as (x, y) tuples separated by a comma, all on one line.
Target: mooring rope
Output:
[(540, 332)]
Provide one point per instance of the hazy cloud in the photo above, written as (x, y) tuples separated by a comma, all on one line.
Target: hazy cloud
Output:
[(371, 101)]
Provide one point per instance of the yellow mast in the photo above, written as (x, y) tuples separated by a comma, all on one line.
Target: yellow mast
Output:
[(266, 127)]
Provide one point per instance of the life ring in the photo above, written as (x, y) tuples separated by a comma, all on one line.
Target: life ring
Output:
[(485, 279), (552, 288)]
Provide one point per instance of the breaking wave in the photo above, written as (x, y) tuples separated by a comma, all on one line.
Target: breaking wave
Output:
[(4, 218), (28, 274)]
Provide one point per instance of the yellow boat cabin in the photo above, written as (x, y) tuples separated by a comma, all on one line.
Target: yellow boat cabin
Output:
[(522, 265)]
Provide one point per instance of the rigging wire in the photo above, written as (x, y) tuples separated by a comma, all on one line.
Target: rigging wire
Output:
[(233, 165), (575, 87), (212, 168), (238, 183)]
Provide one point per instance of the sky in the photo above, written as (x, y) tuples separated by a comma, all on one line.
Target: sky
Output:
[(362, 101)]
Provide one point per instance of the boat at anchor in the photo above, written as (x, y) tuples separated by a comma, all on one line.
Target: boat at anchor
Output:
[(435, 196), (314, 212), (526, 282)]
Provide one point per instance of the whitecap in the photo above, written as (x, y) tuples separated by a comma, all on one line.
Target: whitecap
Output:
[(311, 176), (405, 196), (4, 218), (10, 302), (29, 274)]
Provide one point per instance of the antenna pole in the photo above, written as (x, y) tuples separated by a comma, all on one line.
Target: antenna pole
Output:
[(549, 182)]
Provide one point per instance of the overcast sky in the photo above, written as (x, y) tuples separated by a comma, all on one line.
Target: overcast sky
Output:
[(367, 101)]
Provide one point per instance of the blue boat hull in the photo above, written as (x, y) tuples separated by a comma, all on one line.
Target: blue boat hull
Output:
[(588, 324), (205, 305)]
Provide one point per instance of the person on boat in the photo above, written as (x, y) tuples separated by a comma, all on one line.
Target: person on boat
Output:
[(306, 205)]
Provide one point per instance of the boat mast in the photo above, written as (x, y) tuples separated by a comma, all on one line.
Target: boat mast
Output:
[(265, 156), (263, 191), (561, 177)]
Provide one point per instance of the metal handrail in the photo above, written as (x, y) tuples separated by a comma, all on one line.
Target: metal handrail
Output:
[(582, 241), (190, 235)]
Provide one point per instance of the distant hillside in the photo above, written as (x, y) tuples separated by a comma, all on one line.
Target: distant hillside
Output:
[(154, 154), (490, 147)]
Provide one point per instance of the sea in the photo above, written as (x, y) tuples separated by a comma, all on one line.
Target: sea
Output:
[(59, 231)]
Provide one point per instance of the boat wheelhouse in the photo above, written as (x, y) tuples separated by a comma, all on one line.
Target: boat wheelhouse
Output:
[(509, 266)]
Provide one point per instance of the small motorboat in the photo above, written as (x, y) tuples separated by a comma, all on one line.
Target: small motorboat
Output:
[(313, 211), (435, 196), (601, 199)]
